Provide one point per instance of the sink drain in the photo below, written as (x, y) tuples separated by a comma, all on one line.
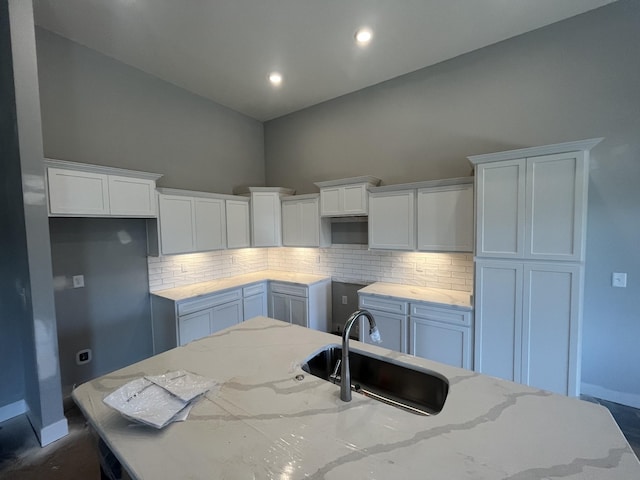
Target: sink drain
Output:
[(299, 377)]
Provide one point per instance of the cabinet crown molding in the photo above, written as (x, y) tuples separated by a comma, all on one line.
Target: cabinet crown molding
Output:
[(579, 145), (192, 193), (373, 181), (85, 167), (244, 190)]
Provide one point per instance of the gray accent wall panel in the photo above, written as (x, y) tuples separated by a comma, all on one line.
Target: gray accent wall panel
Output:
[(111, 314), (572, 80), (100, 111)]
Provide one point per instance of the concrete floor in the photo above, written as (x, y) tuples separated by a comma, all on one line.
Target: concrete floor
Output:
[(72, 457), (76, 455)]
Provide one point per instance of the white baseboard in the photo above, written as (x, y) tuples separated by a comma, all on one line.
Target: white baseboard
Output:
[(13, 410), (629, 399), (49, 433)]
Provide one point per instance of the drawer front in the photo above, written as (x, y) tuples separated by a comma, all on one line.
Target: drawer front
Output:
[(375, 302), (288, 289), (191, 306), (253, 289), (445, 315)]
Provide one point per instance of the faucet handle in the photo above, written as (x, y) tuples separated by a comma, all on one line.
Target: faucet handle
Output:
[(374, 333)]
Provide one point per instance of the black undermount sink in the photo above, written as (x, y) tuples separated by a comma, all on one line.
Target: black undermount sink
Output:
[(410, 388)]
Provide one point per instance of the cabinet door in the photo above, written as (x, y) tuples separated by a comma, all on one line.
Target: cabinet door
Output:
[(355, 199), (254, 306), (498, 319), (177, 230), (298, 311), (210, 224), (392, 327), (226, 315), (500, 209), (238, 229), (291, 224), (392, 220), (450, 344), (132, 196), (556, 206), (194, 326), (445, 218), (309, 223), (265, 219), (279, 307), (331, 201), (77, 193), (551, 327)]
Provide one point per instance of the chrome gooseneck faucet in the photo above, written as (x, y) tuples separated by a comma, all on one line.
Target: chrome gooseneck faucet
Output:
[(345, 373)]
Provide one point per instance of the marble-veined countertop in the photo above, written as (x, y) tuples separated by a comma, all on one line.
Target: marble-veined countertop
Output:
[(436, 296), (264, 423), (206, 288)]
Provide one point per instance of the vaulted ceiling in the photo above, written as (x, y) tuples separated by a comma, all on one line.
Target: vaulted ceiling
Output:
[(225, 50)]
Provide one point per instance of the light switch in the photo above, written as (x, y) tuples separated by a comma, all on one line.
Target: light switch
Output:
[(619, 280), (78, 281)]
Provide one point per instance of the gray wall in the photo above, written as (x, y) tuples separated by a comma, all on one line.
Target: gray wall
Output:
[(100, 111), (576, 79), (111, 313), (13, 261), (42, 392)]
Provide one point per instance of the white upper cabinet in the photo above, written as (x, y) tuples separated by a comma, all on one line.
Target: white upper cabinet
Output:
[(266, 217), (392, 220), (346, 197), (177, 224), (445, 218), (132, 196), (82, 190), (556, 206), (238, 225), (302, 225), (198, 221), (210, 224), (533, 206)]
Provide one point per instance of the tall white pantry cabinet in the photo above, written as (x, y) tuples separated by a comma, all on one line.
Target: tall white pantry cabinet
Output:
[(531, 211)]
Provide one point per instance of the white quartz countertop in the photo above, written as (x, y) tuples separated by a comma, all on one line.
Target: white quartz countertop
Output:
[(435, 296), (213, 286), (264, 423)]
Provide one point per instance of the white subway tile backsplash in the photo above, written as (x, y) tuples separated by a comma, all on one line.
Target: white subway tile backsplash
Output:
[(345, 263)]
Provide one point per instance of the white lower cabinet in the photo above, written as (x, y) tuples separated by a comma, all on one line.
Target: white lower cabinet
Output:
[(440, 334), (527, 323), (211, 320), (437, 333), (391, 319), (307, 306), (254, 301)]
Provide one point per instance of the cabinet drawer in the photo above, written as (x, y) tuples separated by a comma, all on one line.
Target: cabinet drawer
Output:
[(253, 290), (444, 315), (385, 304), (191, 306), (288, 289)]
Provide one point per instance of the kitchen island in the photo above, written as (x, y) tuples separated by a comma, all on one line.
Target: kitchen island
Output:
[(270, 419)]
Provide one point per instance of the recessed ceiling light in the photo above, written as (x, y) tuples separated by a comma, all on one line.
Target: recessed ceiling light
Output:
[(275, 78), (363, 36)]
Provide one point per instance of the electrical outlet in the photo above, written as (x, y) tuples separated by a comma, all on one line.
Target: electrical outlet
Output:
[(619, 280), (78, 281), (184, 267), (83, 356), (345, 300)]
